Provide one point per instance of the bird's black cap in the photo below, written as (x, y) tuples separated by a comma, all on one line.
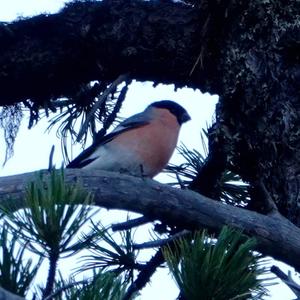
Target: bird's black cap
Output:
[(177, 110)]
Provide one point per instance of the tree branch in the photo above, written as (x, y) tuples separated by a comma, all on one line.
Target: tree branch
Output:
[(276, 236), (287, 279), (100, 101), (154, 40), (130, 224), (161, 242), (145, 275)]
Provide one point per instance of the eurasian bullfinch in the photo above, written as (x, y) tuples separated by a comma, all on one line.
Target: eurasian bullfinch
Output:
[(140, 145)]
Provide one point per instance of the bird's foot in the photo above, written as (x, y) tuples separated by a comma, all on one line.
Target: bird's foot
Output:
[(142, 173)]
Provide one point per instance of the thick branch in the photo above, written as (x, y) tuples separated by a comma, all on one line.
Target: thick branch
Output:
[(50, 56), (276, 236)]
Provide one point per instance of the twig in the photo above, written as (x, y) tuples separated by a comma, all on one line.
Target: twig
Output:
[(271, 206), (56, 293), (50, 165), (181, 183), (162, 242), (201, 54), (180, 296), (287, 279), (199, 59), (62, 103), (150, 268), (101, 99), (130, 224), (145, 275), (111, 118), (53, 259)]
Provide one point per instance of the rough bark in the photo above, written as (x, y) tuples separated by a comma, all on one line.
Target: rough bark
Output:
[(276, 236), (51, 56), (258, 116)]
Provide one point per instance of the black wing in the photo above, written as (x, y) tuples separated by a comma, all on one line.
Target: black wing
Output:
[(83, 159)]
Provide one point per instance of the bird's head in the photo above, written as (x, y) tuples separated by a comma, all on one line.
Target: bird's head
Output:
[(177, 110)]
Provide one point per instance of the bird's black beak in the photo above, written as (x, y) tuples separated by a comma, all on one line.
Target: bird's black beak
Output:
[(185, 117)]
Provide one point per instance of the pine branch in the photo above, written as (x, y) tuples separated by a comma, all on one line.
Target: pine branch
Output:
[(225, 268), (157, 260), (208, 176), (113, 114), (16, 272), (98, 104)]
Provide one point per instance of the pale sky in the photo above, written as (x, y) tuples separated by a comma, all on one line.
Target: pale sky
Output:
[(33, 146)]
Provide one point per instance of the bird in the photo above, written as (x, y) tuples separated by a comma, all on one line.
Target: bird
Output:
[(140, 145)]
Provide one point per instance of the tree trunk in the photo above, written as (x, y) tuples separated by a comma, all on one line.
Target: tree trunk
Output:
[(258, 117)]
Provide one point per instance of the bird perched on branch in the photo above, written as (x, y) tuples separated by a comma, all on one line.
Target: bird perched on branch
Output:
[(140, 145)]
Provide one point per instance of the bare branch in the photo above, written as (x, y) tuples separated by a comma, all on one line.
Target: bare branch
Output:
[(161, 242), (145, 275), (288, 280), (130, 224), (276, 236)]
